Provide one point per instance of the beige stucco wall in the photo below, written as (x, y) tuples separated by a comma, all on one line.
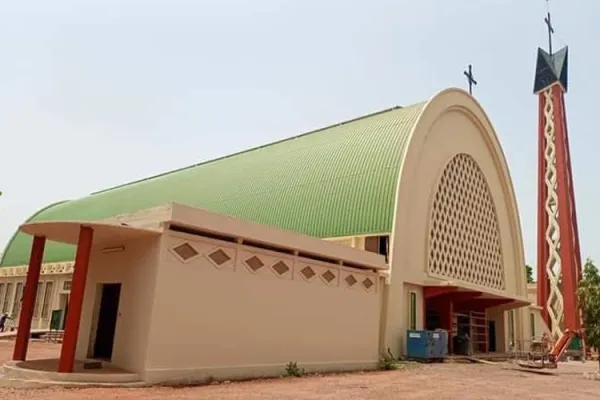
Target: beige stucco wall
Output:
[(10, 297), (58, 288), (532, 292), (39, 320), (226, 321), (357, 242), (452, 123), (499, 317), (135, 268), (540, 324)]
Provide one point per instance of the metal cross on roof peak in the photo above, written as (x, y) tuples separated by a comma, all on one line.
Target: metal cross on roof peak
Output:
[(470, 78), (548, 21)]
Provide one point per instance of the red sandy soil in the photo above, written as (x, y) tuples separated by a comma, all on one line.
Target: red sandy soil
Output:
[(433, 381)]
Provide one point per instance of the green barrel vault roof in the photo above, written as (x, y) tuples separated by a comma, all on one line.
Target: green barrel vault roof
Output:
[(336, 181)]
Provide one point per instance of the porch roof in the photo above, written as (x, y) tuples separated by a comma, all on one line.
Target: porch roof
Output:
[(505, 300), (105, 233), (118, 229)]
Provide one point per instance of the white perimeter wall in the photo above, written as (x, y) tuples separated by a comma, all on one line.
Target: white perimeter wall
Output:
[(228, 322)]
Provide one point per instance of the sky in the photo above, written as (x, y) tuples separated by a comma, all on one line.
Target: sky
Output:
[(95, 93)]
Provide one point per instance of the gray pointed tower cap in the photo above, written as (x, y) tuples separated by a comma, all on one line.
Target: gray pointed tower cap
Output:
[(551, 69)]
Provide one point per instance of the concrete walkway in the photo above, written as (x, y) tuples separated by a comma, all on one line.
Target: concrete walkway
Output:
[(13, 334)]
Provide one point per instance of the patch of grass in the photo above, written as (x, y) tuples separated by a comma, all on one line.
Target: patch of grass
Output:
[(387, 361), (292, 369)]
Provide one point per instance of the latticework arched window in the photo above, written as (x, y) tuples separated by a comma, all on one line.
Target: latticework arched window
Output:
[(464, 237)]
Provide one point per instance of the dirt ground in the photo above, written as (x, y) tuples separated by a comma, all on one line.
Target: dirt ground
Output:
[(434, 381)]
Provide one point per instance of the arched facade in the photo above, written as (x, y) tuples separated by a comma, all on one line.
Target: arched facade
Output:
[(452, 140)]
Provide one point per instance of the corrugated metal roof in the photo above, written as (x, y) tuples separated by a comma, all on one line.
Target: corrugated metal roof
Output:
[(336, 181)]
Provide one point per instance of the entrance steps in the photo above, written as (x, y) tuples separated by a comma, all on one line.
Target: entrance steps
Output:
[(16, 383), (35, 333), (14, 375), (53, 336)]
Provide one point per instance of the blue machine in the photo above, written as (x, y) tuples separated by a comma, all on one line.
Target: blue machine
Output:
[(426, 345)]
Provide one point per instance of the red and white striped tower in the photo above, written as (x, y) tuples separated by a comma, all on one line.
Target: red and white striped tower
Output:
[(558, 254)]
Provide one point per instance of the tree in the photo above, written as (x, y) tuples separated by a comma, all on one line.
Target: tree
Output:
[(589, 303), (529, 269)]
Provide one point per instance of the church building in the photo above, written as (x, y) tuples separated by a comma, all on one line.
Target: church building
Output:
[(323, 249)]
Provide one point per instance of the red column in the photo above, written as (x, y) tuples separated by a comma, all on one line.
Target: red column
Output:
[(31, 286), (82, 259), (569, 272), (572, 194)]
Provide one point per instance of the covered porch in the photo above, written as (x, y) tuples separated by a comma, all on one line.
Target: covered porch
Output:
[(468, 312), (87, 236)]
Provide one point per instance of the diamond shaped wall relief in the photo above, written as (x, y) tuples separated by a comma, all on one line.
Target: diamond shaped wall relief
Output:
[(254, 263), (328, 276), (350, 280), (185, 251), (280, 268), (219, 257), (308, 272)]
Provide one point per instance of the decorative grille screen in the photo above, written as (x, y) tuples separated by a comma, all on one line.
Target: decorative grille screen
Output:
[(464, 237)]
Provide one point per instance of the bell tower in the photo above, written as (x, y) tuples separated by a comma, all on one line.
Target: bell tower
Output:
[(558, 254)]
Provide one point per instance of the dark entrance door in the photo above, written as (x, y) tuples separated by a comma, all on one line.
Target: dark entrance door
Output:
[(492, 335), (107, 320)]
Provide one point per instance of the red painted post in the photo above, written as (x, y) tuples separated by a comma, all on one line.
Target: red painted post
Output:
[(572, 195), (568, 268), (31, 286), (82, 259)]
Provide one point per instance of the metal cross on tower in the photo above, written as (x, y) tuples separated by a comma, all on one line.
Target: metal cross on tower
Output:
[(470, 79), (548, 21), (558, 254)]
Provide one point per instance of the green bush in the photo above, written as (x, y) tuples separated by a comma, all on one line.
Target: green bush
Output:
[(387, 361), (292, 369)]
